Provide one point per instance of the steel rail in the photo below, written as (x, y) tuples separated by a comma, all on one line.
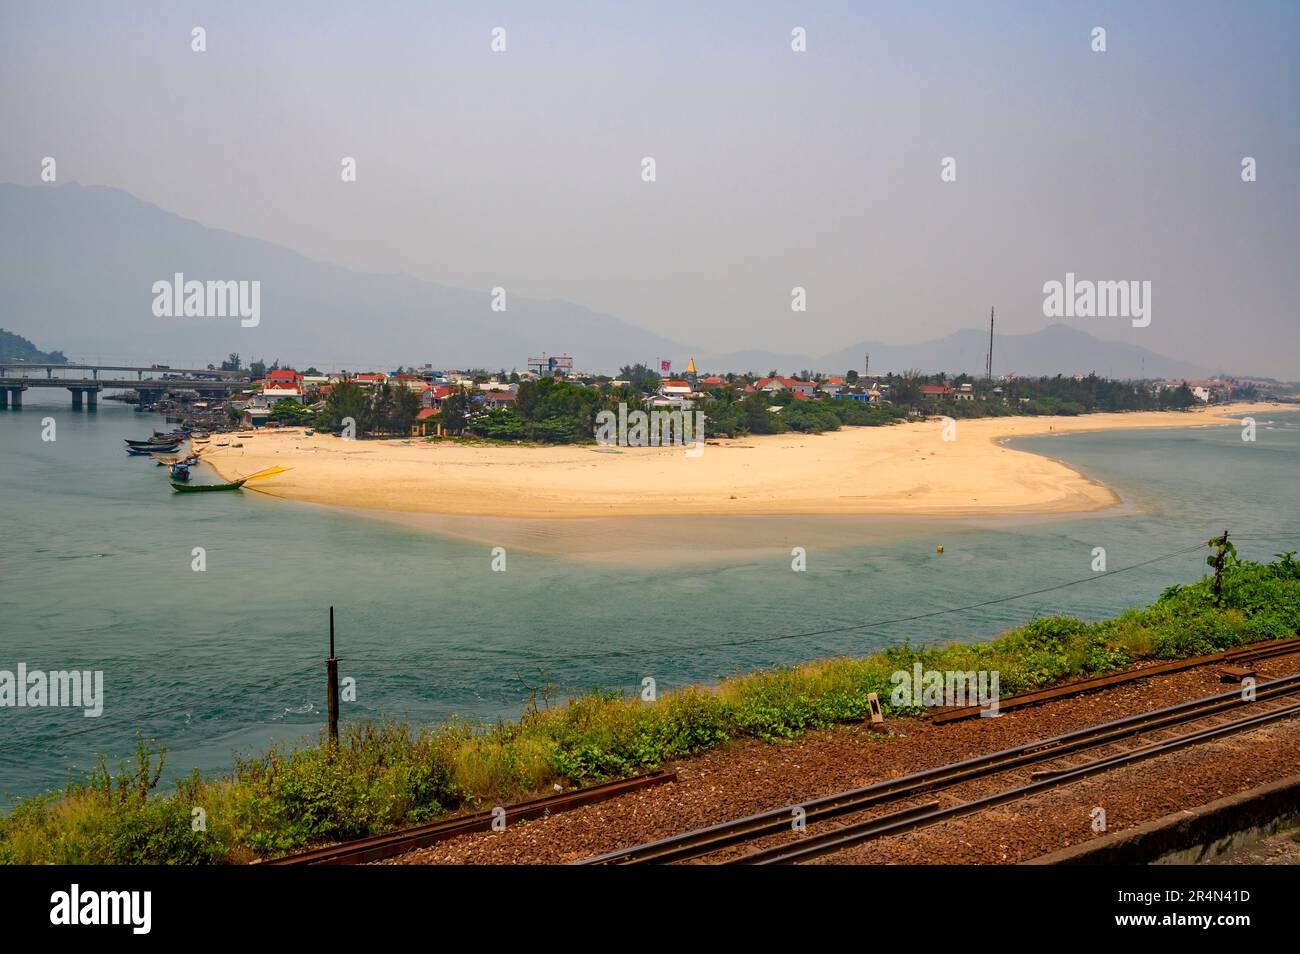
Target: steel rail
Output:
[(850, 835), (705, 840), (1251, 652), (398, 842)]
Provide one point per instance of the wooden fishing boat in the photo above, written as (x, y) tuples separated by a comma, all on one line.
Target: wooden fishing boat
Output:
[(151, 442), (181, 488), (151, 449), (195, 488)]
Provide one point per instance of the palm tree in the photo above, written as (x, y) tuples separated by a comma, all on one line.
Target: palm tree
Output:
[(907, 389)]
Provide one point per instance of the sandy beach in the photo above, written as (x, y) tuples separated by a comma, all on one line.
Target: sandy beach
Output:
[(907, 469)]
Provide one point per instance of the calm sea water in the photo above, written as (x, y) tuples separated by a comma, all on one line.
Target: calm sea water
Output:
[(95, 573)]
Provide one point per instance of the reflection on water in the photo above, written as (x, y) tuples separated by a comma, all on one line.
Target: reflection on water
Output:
[(672, 540)]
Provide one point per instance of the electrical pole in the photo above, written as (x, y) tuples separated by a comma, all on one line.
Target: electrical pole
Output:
[(332, 686)]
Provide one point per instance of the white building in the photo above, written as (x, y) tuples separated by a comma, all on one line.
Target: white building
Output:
[(279, 392)]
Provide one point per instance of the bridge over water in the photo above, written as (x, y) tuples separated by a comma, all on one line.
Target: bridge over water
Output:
[(151, 382)]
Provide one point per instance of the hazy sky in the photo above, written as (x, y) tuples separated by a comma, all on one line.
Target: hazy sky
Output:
[(775, 168)]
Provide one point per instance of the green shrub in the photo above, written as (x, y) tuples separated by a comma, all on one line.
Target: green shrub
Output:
[(161, 829)]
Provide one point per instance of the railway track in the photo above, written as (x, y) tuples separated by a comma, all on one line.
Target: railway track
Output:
[(1149, 734), (1240, 654), (408, 839)]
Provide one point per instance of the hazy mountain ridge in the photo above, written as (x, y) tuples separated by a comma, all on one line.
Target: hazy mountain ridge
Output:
[(78, 264)]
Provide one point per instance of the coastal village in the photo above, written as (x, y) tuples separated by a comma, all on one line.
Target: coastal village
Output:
[(540, 412), (450, 443), (551, 400), (284, 395)]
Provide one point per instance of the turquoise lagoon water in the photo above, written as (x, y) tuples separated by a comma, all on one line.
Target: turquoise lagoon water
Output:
[(95, 573)]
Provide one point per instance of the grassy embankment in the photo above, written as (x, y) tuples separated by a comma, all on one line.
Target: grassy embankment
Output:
[(385, 776)]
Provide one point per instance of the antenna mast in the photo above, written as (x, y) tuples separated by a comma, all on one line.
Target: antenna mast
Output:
[(988, 364)]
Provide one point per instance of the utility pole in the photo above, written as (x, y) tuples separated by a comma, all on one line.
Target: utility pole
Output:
[(988, 364), (332, 686), (866, 365)]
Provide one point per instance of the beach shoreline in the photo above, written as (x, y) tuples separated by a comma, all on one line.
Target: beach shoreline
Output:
[(900, 470)]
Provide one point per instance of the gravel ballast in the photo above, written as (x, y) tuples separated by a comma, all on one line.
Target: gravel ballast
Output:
[(752, 776)]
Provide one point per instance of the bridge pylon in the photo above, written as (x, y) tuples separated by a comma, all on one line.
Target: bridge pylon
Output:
[(90, 394)]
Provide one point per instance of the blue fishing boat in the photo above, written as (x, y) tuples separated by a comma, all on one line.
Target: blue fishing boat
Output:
[(153, 441)]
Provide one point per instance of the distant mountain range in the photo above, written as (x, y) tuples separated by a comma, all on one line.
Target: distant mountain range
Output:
[(78, 265), (1057, 349)]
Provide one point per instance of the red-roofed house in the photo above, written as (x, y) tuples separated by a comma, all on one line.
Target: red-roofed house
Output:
[(432, 396), (772, 385), (278, 385), (935, 391), (272, 392), (672, 393)]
